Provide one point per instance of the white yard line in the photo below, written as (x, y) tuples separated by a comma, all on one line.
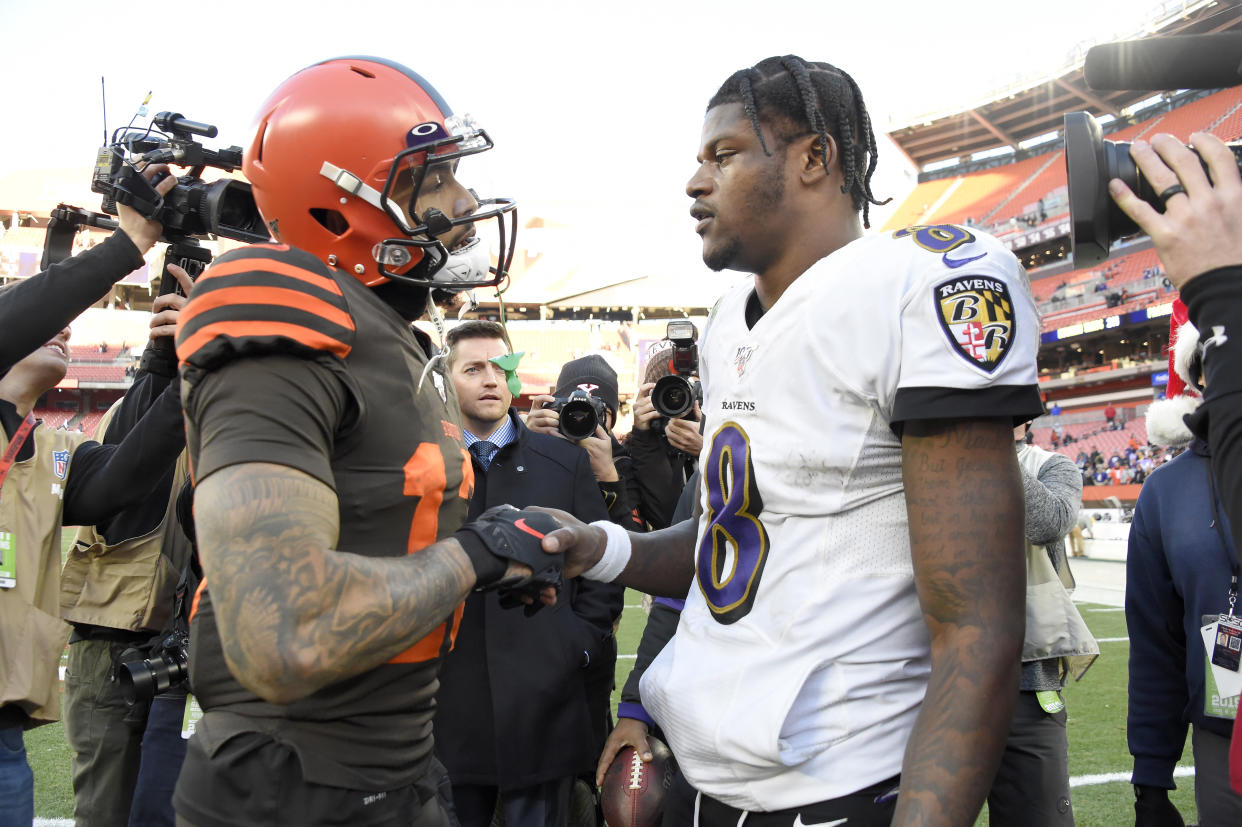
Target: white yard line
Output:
[(1113, 777)]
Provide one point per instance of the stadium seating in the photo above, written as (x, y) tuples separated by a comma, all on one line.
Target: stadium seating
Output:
[(91, 421), (54, 418), (91, 353), (97, 373)]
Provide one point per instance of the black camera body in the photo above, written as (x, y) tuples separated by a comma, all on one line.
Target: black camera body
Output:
[(674, 395), (1095, 219), (168, 666), (193, 207), (580, 414)]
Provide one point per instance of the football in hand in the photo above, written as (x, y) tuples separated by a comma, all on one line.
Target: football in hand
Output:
[(634, 790)]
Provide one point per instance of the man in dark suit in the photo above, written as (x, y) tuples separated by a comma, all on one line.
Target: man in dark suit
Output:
[(512, 724)]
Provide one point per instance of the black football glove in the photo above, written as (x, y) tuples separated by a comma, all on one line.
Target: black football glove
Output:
[(1152, 808), (504, 533)]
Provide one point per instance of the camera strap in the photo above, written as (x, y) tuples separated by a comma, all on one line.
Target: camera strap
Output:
[(15, 445)]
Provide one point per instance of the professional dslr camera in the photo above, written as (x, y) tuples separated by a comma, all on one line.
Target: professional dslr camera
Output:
[(1095, 219), (168, 666), (580, 414), (674, 395)]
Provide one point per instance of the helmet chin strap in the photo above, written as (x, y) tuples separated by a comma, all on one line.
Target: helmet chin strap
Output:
[(437, 319)]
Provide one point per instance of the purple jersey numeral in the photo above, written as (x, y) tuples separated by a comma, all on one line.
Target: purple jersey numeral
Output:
[(733, 529)]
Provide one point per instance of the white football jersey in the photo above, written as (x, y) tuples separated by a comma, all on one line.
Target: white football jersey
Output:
[(801, 657)]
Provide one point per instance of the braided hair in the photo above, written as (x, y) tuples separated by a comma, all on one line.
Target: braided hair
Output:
[(814, 97)]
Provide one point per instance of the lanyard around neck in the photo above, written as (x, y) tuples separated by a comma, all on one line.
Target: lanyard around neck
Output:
[(15, 445)]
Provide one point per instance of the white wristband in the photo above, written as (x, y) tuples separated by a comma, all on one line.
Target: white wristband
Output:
[(616, 554)]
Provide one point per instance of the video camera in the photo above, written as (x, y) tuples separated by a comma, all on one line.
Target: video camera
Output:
[(193, 207), (674, 395), (1202, 61), (1095, 219), (580, 414)]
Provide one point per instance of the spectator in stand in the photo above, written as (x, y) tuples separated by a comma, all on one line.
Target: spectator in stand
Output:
[(1110, 415), (1055, 410), (1100, 477)]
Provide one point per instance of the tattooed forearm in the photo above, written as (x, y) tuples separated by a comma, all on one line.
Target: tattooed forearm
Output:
[(294, 615), (662, 562), (964, 497)]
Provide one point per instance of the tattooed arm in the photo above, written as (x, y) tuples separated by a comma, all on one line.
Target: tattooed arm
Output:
[(964, 497), (295, 615)]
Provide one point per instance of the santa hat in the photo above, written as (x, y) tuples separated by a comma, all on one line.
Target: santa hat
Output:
[(1165, 419)]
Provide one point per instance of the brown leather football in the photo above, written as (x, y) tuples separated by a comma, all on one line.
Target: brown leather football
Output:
[(634, 790)]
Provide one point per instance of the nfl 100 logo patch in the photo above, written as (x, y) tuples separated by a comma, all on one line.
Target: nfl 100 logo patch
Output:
[(977, 316), (60, 463)]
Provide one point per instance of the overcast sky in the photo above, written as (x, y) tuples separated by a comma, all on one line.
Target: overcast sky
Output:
[(587, 101)]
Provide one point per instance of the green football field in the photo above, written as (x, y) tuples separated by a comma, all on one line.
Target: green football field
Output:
[(1099, 760)]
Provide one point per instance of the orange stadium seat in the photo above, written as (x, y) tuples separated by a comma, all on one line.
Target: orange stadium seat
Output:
[(54, 418), (979, 194), (1200, 114), (922, 199)]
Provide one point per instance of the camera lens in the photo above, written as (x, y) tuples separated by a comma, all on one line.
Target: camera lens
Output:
[(672, 396), (1091, 162), (578, 419), (143, 680)]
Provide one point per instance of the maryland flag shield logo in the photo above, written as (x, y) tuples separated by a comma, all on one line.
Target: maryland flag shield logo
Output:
[(977, 316)]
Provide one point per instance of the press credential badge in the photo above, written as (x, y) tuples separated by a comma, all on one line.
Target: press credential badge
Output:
[(8, 560)]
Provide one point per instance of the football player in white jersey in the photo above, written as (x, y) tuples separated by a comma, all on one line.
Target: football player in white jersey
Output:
[(855, 581)]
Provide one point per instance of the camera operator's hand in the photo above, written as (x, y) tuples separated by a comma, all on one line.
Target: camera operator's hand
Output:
[(644, 409), (1200, 229), (683, 434), (599, 449), (167, 307), (543, 420), (142, 231)]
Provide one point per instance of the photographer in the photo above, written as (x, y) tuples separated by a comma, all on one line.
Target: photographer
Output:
[(89, 483), (117, 592), (610, 461), (1198, 237), (33, 310), (664, 451)]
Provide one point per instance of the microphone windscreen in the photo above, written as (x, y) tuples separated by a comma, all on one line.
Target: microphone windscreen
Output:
[(1196, 61)]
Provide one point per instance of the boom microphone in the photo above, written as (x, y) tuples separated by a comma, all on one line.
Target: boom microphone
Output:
[(1194, 61)]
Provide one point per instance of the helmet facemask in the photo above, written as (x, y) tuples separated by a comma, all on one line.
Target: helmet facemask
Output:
[(419, 170)]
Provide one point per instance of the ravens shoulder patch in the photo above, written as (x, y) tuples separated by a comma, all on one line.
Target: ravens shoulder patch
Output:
[(976, 314)]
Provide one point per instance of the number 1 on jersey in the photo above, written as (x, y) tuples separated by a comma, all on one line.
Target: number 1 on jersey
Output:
[(735, 544)]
